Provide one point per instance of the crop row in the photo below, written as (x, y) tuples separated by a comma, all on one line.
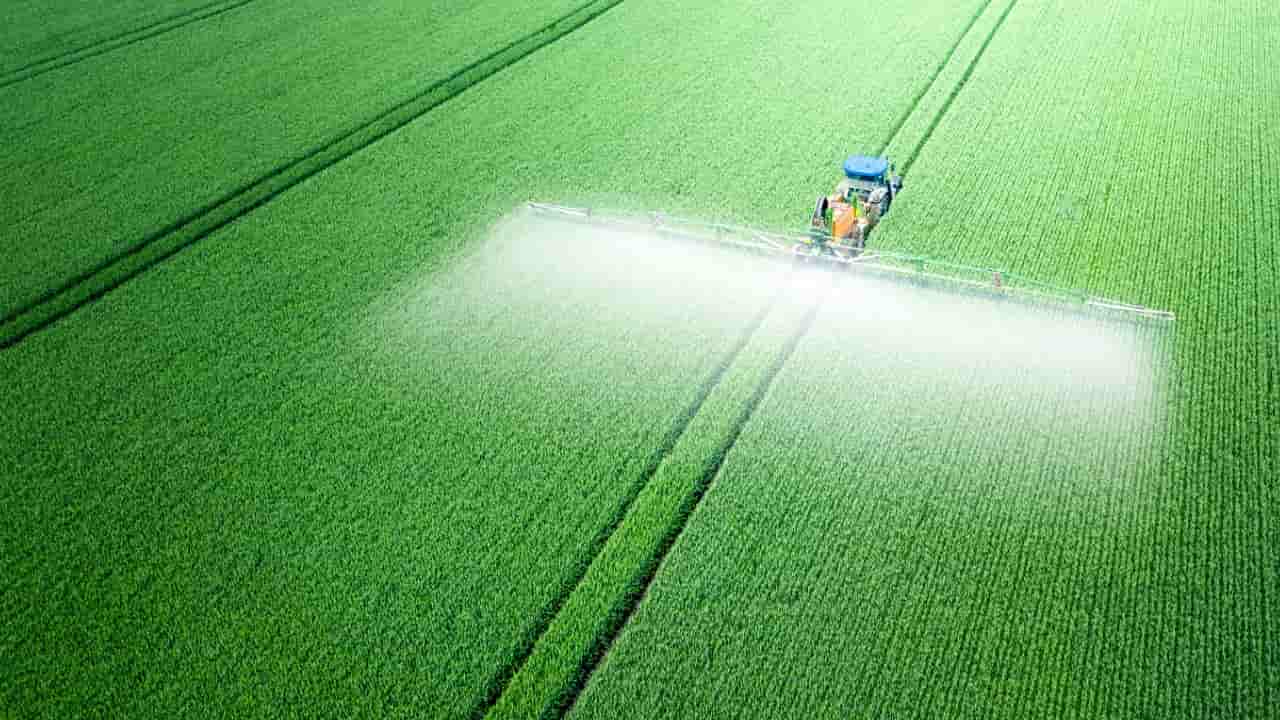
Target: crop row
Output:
[(365, 523), (421, 491), (1114, 193), (37, 34), (925, 518), (133, 145), (1050, 544), (581, 634)]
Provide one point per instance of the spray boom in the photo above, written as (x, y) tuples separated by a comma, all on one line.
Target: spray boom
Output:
[(804, 248)]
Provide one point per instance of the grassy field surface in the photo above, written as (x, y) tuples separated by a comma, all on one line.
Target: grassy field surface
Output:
[(345, 545), (37, 30), (119, 147), (924, 518), (940, 560), (357, 451), (599, 606), (1152, 176), (176, 136), (366, 517)]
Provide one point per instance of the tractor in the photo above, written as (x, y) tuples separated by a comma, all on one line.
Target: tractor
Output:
[(842, 221)]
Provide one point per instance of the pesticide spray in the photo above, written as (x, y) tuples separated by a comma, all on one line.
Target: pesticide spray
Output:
[(577, 295)]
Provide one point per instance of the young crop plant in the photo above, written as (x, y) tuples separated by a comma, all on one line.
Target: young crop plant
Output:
[(331, 447), (931, 492), (45, 35), (1029, 547), (337, 499), (129, 148)]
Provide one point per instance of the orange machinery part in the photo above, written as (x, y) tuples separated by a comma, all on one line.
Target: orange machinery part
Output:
[(843, 219)]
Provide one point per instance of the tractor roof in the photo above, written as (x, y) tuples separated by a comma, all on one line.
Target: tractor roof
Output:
[(863, 166)]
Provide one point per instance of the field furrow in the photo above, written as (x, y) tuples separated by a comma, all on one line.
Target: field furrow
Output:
[(926, 518), (115, 42), (548, 682), (1134, 577), (935, 79), (932, 108), (177, 135), (340, 462), (38, 33), (309, 411), (128, 262)]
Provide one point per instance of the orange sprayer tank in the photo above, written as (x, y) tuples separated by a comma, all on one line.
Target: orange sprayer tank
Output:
[(843, 219)]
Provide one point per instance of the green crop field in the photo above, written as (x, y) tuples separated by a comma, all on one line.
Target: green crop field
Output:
[(306, 414)]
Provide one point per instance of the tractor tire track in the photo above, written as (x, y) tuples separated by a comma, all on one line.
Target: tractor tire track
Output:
[(946, 60), (498, 683), (129, 37), (134, 260), (629, 602), (955, 91)]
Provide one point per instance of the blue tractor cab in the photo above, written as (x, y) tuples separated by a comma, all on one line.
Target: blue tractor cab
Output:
[(863, 167), (870, 179)]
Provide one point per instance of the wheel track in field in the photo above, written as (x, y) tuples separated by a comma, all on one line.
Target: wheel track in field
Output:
[(103, 46), (167, 242), (626, 605), (137, 258), (937, 72), (498, 683), (559, 657), (955, 91), (632, 601)]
